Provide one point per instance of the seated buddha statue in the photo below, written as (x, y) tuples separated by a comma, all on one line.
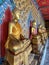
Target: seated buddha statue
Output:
[(16, 42), (14, 31), (43, 33)]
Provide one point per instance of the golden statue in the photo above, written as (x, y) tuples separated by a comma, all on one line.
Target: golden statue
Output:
[(43, 33), (14, 29), (16, 43)]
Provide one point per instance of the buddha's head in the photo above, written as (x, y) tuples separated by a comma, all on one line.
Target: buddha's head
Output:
[(16, 14), (41, 29), (34, 23)]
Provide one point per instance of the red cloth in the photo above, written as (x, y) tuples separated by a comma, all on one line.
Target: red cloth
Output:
[(43, 2), (4, 30), (44, 7)]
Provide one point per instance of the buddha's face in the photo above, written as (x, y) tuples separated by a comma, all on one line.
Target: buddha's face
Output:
[(16, 30), (34, 24), (34, 31), (41, 29), (16, 14)]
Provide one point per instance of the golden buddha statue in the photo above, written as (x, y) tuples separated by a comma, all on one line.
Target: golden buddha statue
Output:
[(14, 26), (14, 30), (20, 49), (16, 43), (43, 33), (15, 34)]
